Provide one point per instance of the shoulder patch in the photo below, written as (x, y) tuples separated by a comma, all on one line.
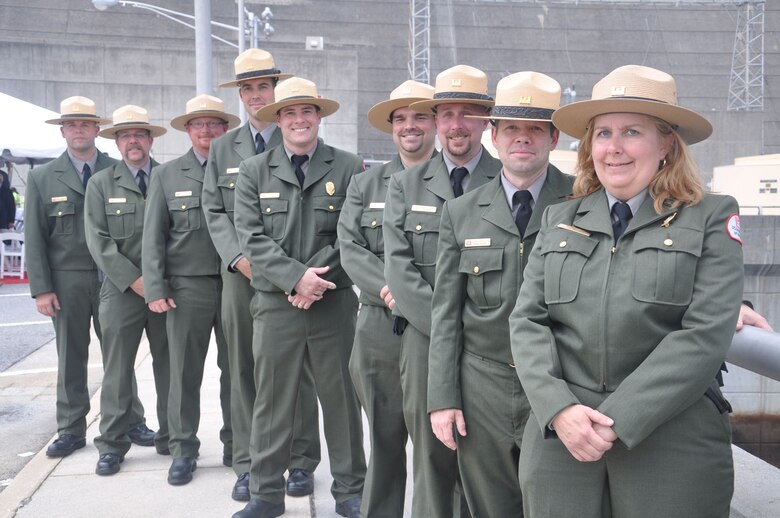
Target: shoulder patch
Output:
[(733, 228)]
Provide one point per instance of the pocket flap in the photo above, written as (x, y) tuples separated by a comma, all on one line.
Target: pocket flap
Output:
[(480, 261), (120, 209), (273, 205), (63, 208), (327, 203), (679, 239), (227, 181), (420, 223), (372, 218), (564, 241), (184, 203)]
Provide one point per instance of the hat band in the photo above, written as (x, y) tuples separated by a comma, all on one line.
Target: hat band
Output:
[(521, 112), (255, 73), (79, 116), (634, 98), (462, 95), (135, 123)]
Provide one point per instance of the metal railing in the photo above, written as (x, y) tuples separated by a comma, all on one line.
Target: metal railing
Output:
[(756, 350)]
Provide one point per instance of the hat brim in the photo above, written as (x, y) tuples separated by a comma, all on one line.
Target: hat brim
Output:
[(574, 118), (428, 105), (235, 82), (268, 113), (154, 131), (91, 118), (379, 114), (180, 122)]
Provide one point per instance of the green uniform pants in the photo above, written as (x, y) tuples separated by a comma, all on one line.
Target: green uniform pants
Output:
[(376, 374), (683, 469), (283, 336), (437, 489), (237, 323), (123, 318), (496, 410)]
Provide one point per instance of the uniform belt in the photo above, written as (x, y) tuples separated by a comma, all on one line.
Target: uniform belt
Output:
[(488, 360)]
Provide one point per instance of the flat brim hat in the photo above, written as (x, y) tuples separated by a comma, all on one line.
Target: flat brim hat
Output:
[(204, 106), (634, 89), (296, 90), (525, 96), (78, 108), (405, 94), (458, 84), (131, 117), (254, 64)]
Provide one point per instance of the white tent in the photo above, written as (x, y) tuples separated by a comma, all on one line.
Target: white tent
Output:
[(26, 138)]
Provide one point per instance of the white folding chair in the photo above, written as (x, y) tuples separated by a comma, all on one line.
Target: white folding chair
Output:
[(12, 254)]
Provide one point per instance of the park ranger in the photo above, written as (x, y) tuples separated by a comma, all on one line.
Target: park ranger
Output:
[(255, 77), (114, 226), (374, 364), (63, 277), (484, 242), (181, 272), (288, 202), (411, 225)]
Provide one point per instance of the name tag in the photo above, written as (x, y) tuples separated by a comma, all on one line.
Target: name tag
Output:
[(179, 194), (376, 205), (231, 170), (430, 209), (117, 200), (267, 195), (57, 199), (482, 241)]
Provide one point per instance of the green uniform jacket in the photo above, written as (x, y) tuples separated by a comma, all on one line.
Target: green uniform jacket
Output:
[(415, 197), (115, 223), (225, 153), (176, 240), (54, 221), (479, 271), (283, 231), (636, 329)]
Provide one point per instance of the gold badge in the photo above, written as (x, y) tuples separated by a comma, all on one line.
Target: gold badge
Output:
[(330, 188)]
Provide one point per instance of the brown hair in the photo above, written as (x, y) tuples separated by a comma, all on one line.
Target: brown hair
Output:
[(677, 182)]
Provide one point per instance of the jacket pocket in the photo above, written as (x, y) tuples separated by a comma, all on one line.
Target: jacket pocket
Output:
[(371, 228), (227, 188), (63, 215), (185, 213), (423, 229), (482, 268), (326, 213), (565, 254), (274, 217), (121, 220), (664, 265)]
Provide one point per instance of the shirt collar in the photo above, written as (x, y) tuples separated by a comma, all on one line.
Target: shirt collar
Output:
[(634, 203), (470, 165), (147, 167), (535, 188)]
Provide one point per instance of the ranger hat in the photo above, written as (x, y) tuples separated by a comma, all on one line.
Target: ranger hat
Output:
[(634, 89), (204, 106), (405, 94), (254, 64), (525, 96), (131, 117), (78, 108), (459, 84), (296, 90)]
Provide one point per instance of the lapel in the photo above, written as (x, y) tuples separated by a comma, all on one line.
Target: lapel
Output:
[(67, 174), (485, 170), (319, 165), (125, 179), (646, 216), (392, 167), (437, 178), (593, 213), (497, 209), (556, 188), (243, 144), (281, 167), (191, 168), (275, 140)]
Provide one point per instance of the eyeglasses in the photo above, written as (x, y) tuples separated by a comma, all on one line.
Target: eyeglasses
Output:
[(210, 124)]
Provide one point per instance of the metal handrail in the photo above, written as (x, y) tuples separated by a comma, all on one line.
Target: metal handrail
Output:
[(756, 350)]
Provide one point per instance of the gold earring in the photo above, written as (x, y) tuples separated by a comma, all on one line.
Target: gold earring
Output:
[(662, 164)]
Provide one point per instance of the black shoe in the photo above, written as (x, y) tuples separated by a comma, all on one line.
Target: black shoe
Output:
[(349, 508), (65, 445), (257, 508), (141, 435), (227, 460), (163, 451), (241, 488), (300, 482), (181, 470), (108, 464)]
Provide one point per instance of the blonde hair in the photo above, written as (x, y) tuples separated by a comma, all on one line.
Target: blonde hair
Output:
[(677, 182)]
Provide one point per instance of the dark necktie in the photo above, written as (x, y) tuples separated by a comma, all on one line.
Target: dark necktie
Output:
[(142, 182), (622, 212), (86, 174), (457, 176), (259, 143), (298, 161), (521, 200)]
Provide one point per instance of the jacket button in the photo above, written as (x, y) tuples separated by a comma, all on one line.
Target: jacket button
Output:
[(373, 223), (118, 211), (183, 207), (562, 244), (476, 269), (59, 213), (268, 209), (668, 242), (418, 227), (232, 184), (330, 207)]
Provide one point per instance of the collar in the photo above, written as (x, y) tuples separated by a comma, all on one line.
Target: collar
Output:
[(147, 167), (267, 133), (634, 203), (470, 165), (79, 164), (535, 188)]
